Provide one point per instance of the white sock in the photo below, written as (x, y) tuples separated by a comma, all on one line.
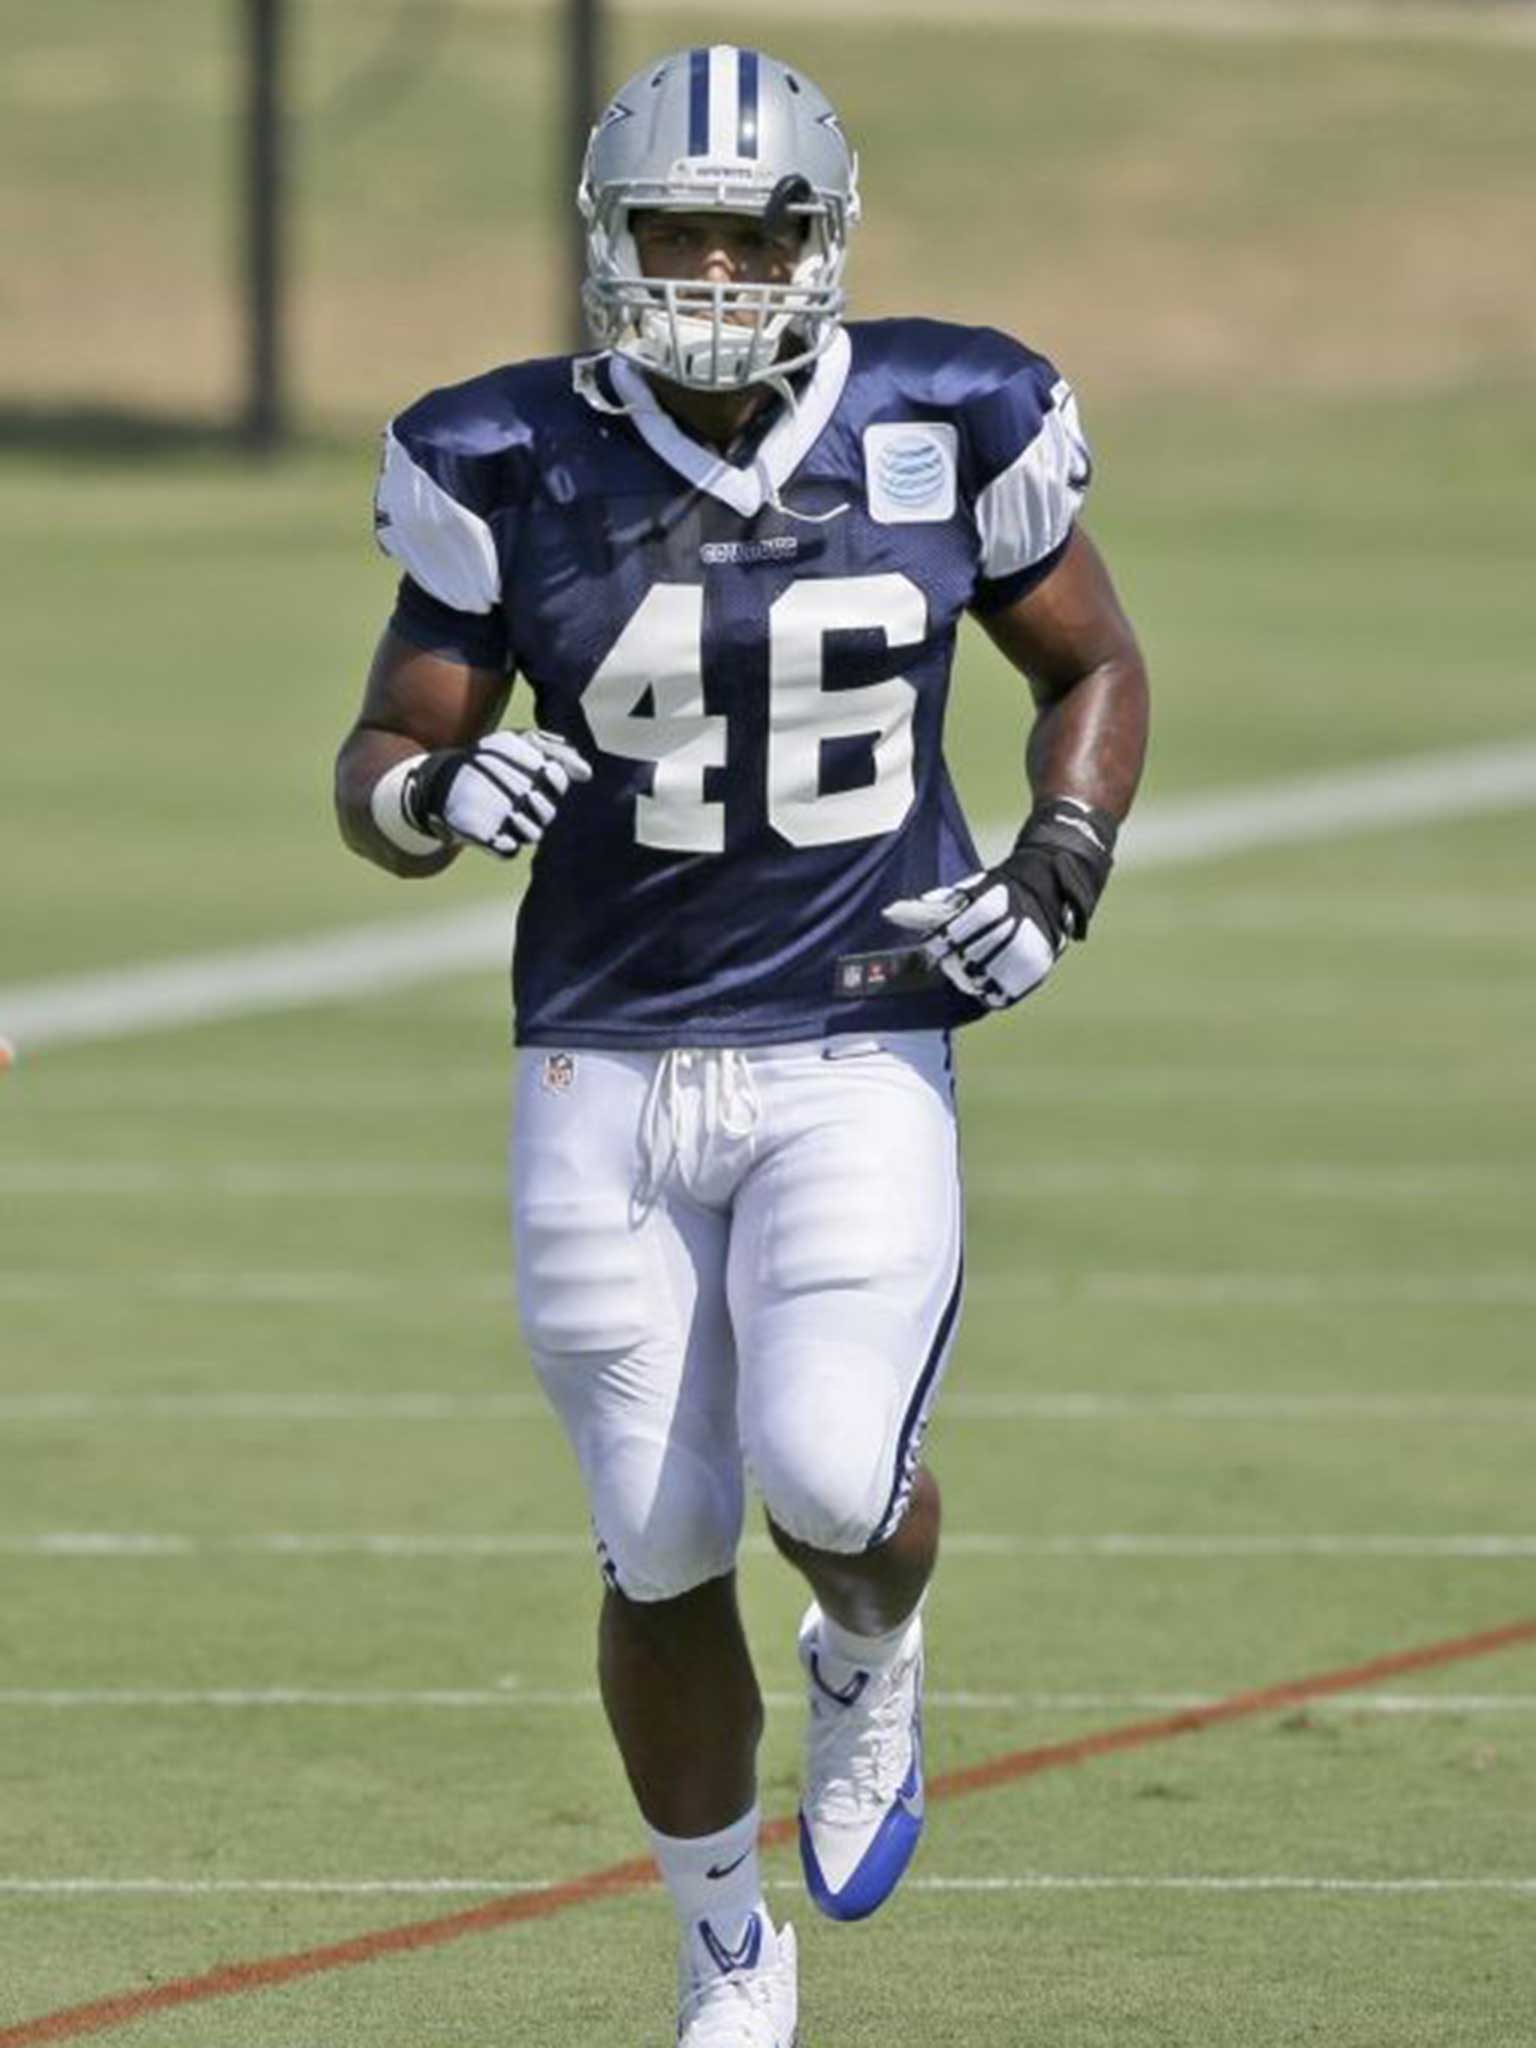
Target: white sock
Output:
[(727, 1899), (842, 1652)]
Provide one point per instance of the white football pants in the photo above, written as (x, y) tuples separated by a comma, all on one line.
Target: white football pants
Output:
[(738, 1263)]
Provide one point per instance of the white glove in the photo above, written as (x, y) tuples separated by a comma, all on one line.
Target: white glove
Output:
[(499, 794), (978, 932)]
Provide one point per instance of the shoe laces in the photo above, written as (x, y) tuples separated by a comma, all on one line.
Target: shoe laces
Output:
[(728, 2004), (862, 1750)]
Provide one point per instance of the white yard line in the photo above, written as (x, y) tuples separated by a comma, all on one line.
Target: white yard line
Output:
[(1487, 1410), (260, 1407), (1521, 1887), (333, 966), (263, 1887), (1033, 1881), (524, 1699), (1299, 1181), (1334, 804), (236, 1287), (360, 960), (1515, 1288), (959, 1405), (321, 1180), (411, 1545)]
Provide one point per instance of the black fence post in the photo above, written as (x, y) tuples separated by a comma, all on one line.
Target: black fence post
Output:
[(264, 424)]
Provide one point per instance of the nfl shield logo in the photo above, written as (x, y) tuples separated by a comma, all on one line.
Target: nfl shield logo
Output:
[(559, 1072)]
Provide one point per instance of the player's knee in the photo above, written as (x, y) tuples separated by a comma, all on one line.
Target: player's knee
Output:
[(666, 1518), (824, 1476), (825, 1510)]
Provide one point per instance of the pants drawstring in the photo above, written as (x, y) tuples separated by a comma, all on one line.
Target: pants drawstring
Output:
[(737, 1106), (660, 1133), (731, 1108)]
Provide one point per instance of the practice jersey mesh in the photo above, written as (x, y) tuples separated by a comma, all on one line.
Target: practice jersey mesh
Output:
[(754, 656)]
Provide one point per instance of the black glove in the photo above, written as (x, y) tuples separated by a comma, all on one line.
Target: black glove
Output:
[(996, 935), (1059, 865)]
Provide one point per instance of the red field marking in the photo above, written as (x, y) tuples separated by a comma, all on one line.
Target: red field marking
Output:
[(227, 1979), (619, 1878), (1024, 1763)]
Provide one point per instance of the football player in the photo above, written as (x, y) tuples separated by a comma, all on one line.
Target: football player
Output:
[(729, 554)]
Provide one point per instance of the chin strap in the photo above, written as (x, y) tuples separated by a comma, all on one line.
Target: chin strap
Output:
[(785, 390), (771, 498)]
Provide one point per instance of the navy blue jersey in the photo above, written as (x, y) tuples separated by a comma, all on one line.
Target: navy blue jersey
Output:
[(754, 654)]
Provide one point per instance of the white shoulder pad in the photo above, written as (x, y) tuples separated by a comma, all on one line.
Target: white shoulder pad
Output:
[(440, 544), (1028, 510)]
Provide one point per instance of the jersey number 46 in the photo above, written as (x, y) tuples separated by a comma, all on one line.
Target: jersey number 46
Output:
[(657, 662)]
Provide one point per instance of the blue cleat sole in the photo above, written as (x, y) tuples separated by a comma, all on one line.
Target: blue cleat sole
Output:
[(882, 1866)]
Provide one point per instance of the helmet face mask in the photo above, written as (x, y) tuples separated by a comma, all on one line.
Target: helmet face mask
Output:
[(724, 131)]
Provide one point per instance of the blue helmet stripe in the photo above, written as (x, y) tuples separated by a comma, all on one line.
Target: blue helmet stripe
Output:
[(746, 103), (698, 103)]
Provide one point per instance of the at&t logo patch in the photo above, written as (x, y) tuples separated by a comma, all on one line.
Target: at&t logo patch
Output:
[(909, 466)]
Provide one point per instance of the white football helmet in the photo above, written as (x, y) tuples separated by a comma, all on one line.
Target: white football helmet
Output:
[(735, 131)]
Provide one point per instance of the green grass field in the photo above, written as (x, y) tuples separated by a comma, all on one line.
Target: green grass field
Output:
[(1250, 1185)]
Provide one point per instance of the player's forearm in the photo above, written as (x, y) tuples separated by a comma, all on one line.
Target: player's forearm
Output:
[(367, 754), (1091, 741), (1070, 637)]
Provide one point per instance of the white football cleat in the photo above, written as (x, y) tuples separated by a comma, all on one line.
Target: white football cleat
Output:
[(862, 1809), (739, 1997)]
